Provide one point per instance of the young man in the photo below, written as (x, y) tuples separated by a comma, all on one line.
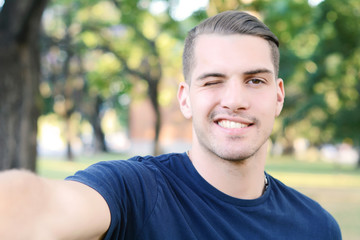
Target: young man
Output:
[(217, 190)]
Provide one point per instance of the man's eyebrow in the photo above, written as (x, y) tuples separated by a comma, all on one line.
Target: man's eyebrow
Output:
[(257, 71), (206, 75)]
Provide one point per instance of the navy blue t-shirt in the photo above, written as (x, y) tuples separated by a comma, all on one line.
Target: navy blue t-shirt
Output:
[(165, 197)]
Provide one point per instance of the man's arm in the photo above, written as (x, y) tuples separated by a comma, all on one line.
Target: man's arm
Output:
[(36, 208)]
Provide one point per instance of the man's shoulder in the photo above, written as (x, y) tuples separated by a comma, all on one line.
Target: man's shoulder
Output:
[(134, 166), (302, 206), (288, 193), (159, 158), (164, 161)]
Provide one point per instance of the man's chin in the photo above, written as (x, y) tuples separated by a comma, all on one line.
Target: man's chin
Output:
[(234, 157)]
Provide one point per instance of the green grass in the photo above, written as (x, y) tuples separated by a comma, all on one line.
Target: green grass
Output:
[(59, 168), (336, 188)]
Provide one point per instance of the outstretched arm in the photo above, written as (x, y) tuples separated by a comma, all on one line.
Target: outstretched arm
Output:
[(32, 207)]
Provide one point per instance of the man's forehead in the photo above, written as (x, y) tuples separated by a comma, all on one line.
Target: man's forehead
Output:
[(213, 42), (231, 49)]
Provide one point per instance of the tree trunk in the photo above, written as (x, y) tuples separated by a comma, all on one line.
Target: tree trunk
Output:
[(69, 151), (153, 94), (95, 120), (20, 74)]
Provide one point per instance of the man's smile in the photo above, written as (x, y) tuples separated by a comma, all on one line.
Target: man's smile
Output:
[(231, 124)]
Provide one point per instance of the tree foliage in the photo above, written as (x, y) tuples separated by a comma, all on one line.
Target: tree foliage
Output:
[(101, 48), (320, 52)]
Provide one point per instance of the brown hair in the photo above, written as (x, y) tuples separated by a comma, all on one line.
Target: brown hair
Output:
[(229, 22)]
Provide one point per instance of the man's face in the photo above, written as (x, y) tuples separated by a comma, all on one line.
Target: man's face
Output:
[(233, 97)]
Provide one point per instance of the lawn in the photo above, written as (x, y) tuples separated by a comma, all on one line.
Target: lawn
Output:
[(336, 188)]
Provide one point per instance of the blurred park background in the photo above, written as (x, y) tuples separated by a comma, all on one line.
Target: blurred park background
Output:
[(89, 80)]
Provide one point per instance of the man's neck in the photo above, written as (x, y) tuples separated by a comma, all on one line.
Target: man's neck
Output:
[(240, 179)]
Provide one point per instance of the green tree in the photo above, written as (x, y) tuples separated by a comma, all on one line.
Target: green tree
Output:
[(335, 79), (140, 48), (320, 67), (118, 43), (20, 76), (65, 85)]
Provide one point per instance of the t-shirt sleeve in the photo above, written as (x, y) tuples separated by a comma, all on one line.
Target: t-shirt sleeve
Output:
[(334, 228), (128, 187)]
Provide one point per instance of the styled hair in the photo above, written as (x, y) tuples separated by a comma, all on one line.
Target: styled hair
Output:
[(227, 23)]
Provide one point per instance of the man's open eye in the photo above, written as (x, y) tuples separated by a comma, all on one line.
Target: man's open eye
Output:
[(256, 81)]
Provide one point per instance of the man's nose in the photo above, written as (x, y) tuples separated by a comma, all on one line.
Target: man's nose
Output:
[(235, 97)]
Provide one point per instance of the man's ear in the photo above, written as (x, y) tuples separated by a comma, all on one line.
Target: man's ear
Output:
[(184, 99), (280, 96)]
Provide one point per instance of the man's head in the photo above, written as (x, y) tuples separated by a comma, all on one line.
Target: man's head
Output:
[(232, 92), (227, 23)]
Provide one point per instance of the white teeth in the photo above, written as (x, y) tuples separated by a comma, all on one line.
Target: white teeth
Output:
[(231, 124)]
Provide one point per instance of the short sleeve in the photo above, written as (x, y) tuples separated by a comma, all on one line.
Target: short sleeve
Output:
[(130, 190)]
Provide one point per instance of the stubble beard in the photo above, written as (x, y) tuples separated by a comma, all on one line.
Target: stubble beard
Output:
[(234, 156), (209, 143)]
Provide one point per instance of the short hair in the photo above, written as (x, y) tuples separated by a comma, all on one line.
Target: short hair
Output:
[(227, 23)]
